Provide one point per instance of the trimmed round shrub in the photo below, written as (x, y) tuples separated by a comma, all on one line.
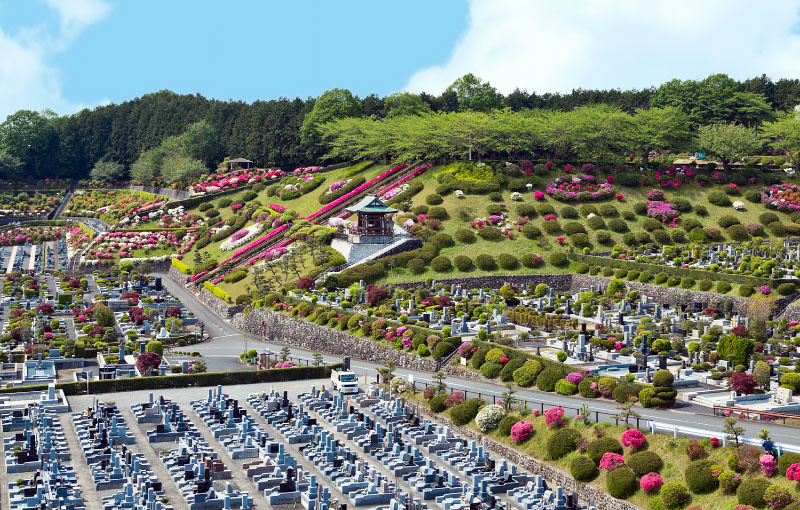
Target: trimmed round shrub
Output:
[(705, 285), (490, 234), (507, 374), (442, 241), (548, 378), (674, 495), (786, 460), (496, 196), (558, 259), (569, 212), (437, 403), (751, 492), (562, 443), (534, 366), (507, 261), (416, 266), (583, 469), (464, 235), (622, 392), (746, 290), (442, 349), (462, 263), (434, 199), (723, 287), (785, 289), (551, 227), (479, 358), (601, 446), (650, 224), (420, 209), (738, 233), (621, 483), (663, 378), (729, 481), (766, 218), (587, 209), (640, 208), (523, 376), (673, 281), (526, 209), (485, 262), (504, 428), (608, 211), (698, 477), (437, 213), (580, 240), (753, 195), (596, 223), (617, 225), (645, 462), (491, 369), (661, 236), (441, 263), (494, 210), (602, 236), (719, 198), (564, 387), (573, 227), (585, 389), (777, 229), (701, 210), (681, 204), (531, 231), (466, 411), (545, 209)]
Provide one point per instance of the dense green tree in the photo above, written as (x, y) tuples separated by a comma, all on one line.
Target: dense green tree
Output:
[(475, 95), (10, 166), (108, 171), (658, 129), (183, 169), (783, 135), (728, 142), (199, 141), (406, 103), (331, 105), (32, 138)]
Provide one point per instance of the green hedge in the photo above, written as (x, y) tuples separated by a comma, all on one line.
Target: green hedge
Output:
[(674, 271), (183, 268), (192, 202), (185, 381), (357, 168), (217, 291)]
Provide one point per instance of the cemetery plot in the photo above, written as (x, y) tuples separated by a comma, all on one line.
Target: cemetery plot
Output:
[(110, 247), (30, 234), (28, 203), (111, 205)]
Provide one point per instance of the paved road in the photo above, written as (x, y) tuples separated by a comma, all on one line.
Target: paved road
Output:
[(226, 344)]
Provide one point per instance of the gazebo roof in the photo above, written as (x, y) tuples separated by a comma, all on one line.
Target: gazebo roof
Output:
[(371, 204), (239, 160)]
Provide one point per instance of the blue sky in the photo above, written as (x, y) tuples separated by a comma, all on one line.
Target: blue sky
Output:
[(69, 54)]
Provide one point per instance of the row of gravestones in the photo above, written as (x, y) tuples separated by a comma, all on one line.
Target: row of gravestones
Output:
[(41, 450), (193, 465), (101, 429)]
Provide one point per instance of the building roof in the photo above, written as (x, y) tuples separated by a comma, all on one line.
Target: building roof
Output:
[(371, 204), (239, 160)]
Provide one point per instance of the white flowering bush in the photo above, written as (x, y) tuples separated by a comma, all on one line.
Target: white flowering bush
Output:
[(398, 385), (738, 205), (241, 237), (459, 193), (516, 196), (489, 418)]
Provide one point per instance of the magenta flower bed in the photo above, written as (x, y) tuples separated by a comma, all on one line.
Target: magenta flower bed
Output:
[(359, 189), (404, 179), (257, 242), (277, 208)]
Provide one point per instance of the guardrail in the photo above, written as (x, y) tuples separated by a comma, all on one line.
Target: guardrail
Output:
[(676, 431), (753, 414)]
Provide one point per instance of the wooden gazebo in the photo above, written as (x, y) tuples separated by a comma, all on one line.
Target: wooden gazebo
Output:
[(373, 226), (240, 161)]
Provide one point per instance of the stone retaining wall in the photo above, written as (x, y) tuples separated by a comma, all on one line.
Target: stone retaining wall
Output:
[(307, 335), (220, 307), (175, 274), (553, 476), (791, 313)]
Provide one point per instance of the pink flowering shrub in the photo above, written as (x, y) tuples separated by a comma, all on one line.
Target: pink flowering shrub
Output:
[(765, 290), (538, 195), (285, 364), (655, 194), (575, 377), (661, 210), (611, 461), (554, 417), (521, 431), (651, 482), (793, 472), (715, 443), (769, 465), (633, 438)]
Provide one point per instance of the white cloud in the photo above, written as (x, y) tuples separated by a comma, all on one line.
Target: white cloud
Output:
[(555, 46), (29, 80)]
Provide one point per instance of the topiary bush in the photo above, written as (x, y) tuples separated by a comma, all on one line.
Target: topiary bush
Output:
[(507, 261), (441, 264), (586, 390), (523, 376), (583, 469), (562, 443), (463, 263), (785, 289), (504, 428), (558, 259), (645, 462), (564, 387), (573, 227), (786, 460), (621, 483), (623, 392), (490, 234), (434, 199), (674, 495), (548, 378), (719, 198), (485, 262), (464, 235), (601, 446), (531, 231), (466, 411), (617, 225), (437, 403), (751, 492), (699, 478), (491, 369), (507, 374)]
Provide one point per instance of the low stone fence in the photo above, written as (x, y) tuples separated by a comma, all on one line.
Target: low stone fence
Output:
[(307, 335), (554, 476)]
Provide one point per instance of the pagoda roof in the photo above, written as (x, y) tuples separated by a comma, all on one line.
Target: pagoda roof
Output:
[(371, 204)]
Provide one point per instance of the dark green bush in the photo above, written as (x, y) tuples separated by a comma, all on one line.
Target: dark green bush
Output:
[(645, 462), (558, 259), (479, 357), (531, 231), (580, 240), (601, 446), (569, 212), (681, 204), (786, 460), (507, 374), (766, 218), (442, 349), (434, 199), (596, 223), (466, 411), (753, 195), (719, 198), (504, 428), (545, 209), (485, 262), (617, 225), (705, 285), (561, 443), (674, 495), (462, 263), (640, 208), (491, 370), (701, 210), (416, 266), (492, 233), (583, 469), (442, 241), (751, 492), (785, 289), (699, 478), (547, 379), (525, 209), (723, 287), (551, 227), (585, 389), (507, 261), (437, 403), (746, 290), (621, 483), (464, 235), (437, 213), (622, 392), (523, 377), (441, 264), (573, 227), (738, 233), (608, 211)]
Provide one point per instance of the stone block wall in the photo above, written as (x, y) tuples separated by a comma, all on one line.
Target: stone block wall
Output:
[(218, 306), (175, 275), (302, 334)]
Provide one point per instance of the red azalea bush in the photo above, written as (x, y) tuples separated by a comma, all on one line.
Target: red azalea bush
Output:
[(651, 482), (554, 417), (521, 430), (611, 461), (633, 438)]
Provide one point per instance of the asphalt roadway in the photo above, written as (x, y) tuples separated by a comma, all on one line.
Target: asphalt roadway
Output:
[(222, 354)]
